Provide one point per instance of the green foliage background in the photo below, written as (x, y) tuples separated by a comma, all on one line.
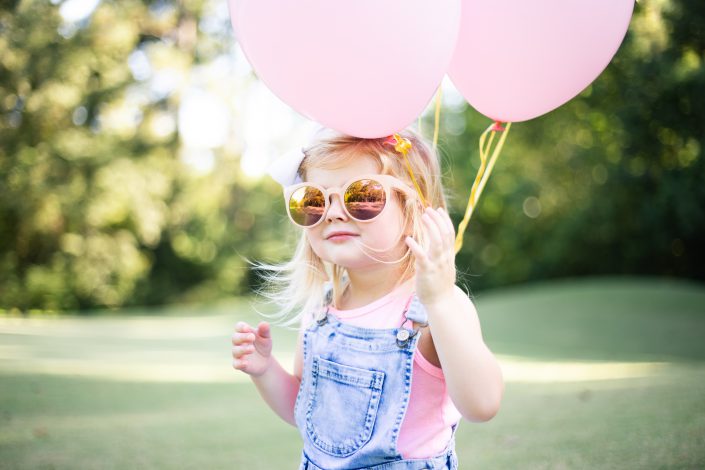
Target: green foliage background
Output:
[(98, 210), (611, 182)]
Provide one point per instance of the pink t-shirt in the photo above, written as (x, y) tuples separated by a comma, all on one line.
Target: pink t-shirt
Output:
[(426, 428)]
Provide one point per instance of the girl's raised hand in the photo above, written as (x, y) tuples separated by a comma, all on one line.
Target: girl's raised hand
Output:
[(252, 348), (435, 261)]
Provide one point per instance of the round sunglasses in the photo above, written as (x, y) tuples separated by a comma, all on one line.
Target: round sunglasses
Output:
[(364, 199)]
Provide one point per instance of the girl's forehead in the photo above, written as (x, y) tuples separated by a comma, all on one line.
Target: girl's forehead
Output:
[(338, 175)]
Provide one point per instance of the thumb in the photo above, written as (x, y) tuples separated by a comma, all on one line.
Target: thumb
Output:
[(263, 330)]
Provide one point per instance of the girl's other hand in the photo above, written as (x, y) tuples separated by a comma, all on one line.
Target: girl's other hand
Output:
[(252, 348), (435, 260)]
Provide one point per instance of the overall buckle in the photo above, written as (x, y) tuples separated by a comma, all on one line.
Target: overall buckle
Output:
[(404, 336)]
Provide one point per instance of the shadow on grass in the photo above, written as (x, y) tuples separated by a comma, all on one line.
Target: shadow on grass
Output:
[(652, 421), (69, 422), (597, 319)]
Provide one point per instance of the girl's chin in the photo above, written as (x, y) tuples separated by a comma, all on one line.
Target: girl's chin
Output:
[(350, 255), (358, 260), (349, 262), (345, 259)]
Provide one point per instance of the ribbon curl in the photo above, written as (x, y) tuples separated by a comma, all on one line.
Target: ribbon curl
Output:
[(403, 145), (483, 173)]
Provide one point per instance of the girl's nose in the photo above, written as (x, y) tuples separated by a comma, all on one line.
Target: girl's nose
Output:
[(335, 210)]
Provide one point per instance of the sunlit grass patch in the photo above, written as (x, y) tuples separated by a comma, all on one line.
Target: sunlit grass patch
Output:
[(598, 373)]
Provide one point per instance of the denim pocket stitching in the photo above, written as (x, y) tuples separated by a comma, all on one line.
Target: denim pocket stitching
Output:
[(360, 378)]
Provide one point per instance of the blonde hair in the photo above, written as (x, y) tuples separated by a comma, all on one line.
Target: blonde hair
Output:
[(297, 286)]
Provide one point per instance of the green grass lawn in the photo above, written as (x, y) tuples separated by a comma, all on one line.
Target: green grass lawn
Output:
[(600, 374)]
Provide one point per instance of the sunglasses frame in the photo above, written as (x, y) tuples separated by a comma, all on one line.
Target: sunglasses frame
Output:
[(387, 181)]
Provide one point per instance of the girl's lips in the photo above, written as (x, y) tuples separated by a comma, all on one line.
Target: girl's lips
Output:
[(340, 236)]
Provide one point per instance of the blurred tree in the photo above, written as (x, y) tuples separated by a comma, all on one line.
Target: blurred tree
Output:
[(116, 190), (96, 207), (611, 182)]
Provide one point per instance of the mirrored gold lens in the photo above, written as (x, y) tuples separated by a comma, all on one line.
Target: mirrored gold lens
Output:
[(365, 199), (306, 205)]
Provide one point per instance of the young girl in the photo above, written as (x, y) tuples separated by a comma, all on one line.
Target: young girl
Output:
[(390, 353)]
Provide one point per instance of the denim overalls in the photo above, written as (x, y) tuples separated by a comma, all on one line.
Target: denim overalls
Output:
[(354, 393)]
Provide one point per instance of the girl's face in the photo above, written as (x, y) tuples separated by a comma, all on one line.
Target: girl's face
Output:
[(384, 233)]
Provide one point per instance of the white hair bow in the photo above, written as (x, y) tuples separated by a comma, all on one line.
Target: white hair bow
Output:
[(285, 169)]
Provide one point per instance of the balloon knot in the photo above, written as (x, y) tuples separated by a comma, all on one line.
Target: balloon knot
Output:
[(400, 144), (497, 127)]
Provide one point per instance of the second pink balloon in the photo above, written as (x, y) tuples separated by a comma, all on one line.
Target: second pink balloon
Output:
[(517, 59)]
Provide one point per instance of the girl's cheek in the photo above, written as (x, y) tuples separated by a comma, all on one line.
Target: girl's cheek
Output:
[(315, 243), (384, 235)]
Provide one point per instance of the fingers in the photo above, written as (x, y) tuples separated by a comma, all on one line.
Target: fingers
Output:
[(444, 226), (440, 235), (448, 222), (434, 234), (251, 348), (240, 351), (243, 345), (440, 230), (418, 251), (244, 334), (240, 364), (243, 342), (263, 330), (243, 327), (445, 223)]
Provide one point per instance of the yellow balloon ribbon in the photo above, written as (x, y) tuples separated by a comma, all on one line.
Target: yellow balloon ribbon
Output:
[(483, 173), (437, 118), (403, 146)]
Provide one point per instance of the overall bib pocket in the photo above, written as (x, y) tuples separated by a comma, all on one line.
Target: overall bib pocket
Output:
[(342, 406)]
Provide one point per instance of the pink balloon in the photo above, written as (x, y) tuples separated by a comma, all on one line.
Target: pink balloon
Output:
[(366, 68), (518, 59)]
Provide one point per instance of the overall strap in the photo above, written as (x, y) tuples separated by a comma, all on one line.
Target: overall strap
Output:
[(416, 311), (321, 316), (327, 293)]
